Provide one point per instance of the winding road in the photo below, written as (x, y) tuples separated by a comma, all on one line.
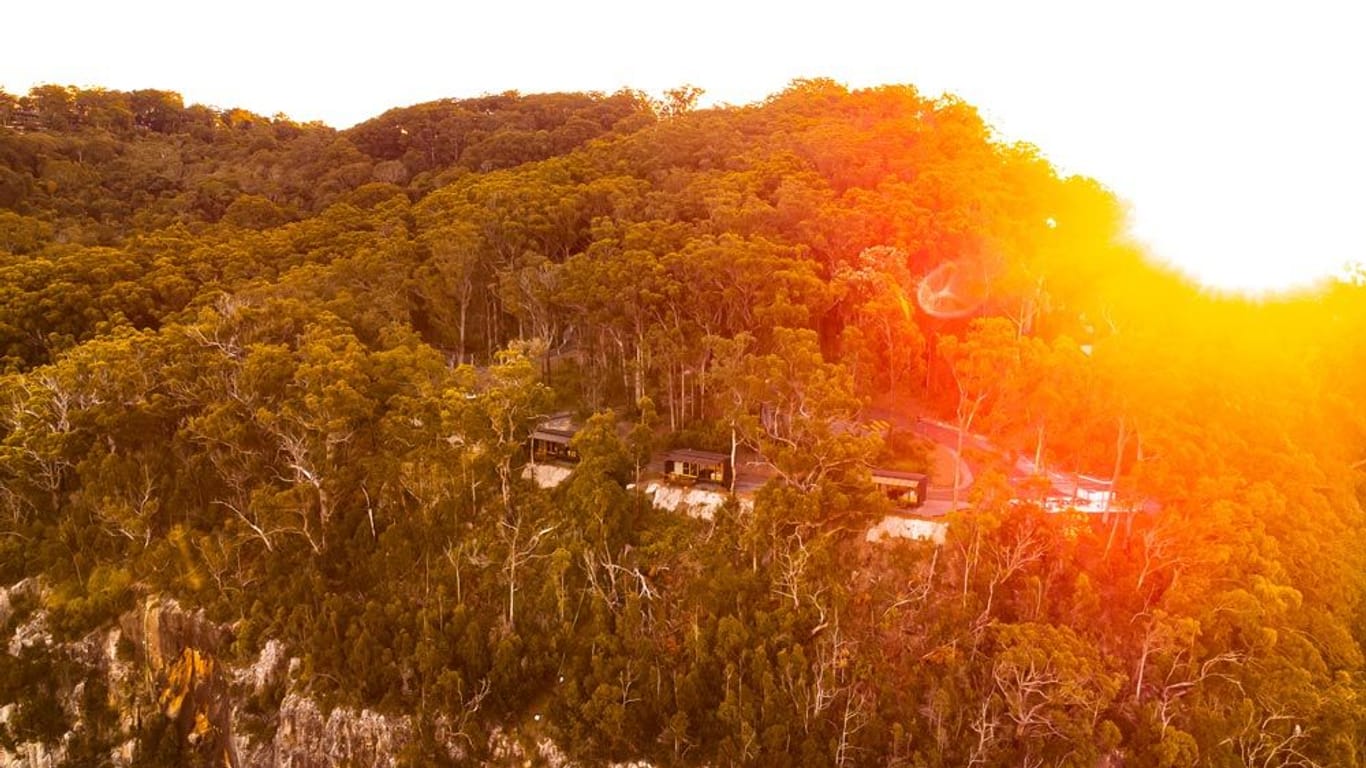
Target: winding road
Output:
[(1087, 494)]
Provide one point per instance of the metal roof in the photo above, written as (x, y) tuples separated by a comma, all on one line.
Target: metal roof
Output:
[(892, 474), (552, 435), (690, 454)]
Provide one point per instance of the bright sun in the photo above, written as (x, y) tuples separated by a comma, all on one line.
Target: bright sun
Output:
[(1250, 276), (1243, 250)]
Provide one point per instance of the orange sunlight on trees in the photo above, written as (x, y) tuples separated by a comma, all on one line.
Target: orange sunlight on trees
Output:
[(283, 384)]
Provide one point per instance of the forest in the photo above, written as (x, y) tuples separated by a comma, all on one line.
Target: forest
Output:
[(285, 374)]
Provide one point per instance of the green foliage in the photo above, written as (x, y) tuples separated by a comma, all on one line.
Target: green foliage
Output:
[(106, 594), (286, 375)]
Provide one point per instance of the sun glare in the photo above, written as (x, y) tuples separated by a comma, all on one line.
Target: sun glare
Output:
[(1251, 279), (1248, 260)]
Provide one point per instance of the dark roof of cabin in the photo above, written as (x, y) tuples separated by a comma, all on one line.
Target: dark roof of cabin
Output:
[(898, 475), (690, 454), (553, 435)]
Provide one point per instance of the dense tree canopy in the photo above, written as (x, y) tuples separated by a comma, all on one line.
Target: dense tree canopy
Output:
[(285, 373)]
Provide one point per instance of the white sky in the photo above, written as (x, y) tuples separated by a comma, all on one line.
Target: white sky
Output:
[(1235, 130)]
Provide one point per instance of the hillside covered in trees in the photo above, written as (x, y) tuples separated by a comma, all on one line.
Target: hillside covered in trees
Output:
[(282, 377)]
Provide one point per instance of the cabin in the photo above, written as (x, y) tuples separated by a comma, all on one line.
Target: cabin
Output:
[(905, 489), (685, 465), (550, 441), (553, 445)]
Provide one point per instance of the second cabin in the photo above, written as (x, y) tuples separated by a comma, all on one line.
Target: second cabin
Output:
[(905, 489), (685, 465)]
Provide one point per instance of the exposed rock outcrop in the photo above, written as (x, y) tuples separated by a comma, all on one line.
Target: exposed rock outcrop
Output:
[(897, 527), (13, 594), (309, 738), (546, 475), (701, 503), (162, 661)]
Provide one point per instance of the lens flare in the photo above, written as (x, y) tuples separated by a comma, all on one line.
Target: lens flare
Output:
[(951, 290)]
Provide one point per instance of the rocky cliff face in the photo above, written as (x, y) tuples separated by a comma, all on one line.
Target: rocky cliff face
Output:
[(155, 681), (156, 661), (160, 662)]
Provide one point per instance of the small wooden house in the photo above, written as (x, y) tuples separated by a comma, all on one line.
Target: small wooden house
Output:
[(685, 465), (552, 445), (905, 489), (550, 440)]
